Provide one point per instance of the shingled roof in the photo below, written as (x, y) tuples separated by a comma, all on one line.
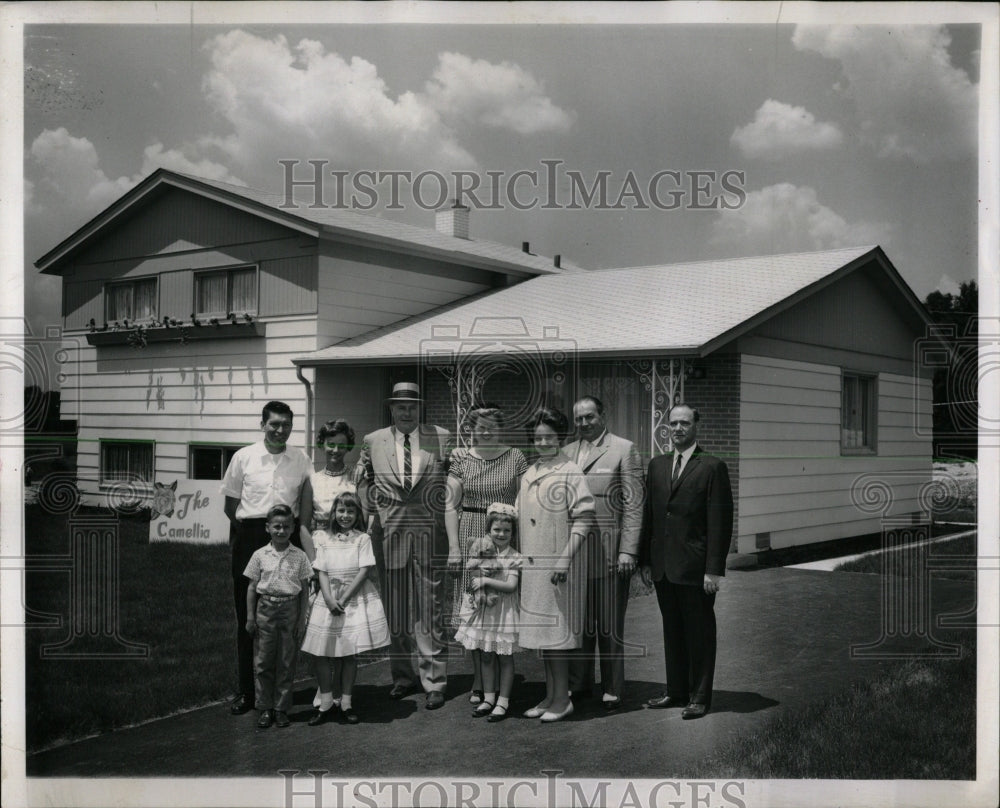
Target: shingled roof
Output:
[(337, 223), (681, 309)]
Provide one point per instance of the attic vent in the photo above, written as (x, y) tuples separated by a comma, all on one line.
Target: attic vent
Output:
[(453, 221)]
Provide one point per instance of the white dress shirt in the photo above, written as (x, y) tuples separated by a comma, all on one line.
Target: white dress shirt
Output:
[(685, 456), (414, 453), (260, 479)]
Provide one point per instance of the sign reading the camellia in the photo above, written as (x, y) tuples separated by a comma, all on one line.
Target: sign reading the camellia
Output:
[(188, 511)]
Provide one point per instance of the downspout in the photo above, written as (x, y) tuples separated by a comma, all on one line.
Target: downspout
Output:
[(307, 446)]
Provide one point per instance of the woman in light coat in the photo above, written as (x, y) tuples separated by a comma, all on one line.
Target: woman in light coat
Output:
[(555, 511)]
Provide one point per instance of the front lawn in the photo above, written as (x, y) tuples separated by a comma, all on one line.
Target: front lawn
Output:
[(175, 599)]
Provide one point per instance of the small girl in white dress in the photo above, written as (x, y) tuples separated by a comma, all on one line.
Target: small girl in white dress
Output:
[(492, 629), (347, 618)]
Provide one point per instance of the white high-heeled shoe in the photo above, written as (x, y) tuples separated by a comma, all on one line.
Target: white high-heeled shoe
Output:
[(550, 716), (535, 712)]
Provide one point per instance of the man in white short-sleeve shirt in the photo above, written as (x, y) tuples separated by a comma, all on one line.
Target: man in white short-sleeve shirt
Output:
[(260, 476)]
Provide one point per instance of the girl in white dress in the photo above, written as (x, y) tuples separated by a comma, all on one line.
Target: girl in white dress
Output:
[(348, 617), (492, 629)]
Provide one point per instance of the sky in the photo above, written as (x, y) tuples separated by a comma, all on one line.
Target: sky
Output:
[(809, 137)]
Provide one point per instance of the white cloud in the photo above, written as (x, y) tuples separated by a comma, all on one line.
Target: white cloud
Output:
[(948, 286), (786, 218), (503, 96), (155, 156), (69, 167), (911, 101), (304, 102), (69, 172), (779, 129)]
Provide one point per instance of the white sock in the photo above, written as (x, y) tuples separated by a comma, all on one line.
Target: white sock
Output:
[(345, 702), (490, 697), (325, 701), (609, 697), (503, 701)]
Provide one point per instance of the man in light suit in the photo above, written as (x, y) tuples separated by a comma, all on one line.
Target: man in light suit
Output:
[(404, 485), (686, 532), (614, 476)]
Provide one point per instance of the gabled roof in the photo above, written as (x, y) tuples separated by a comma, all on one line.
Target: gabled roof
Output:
[(682, 309), (342, 225)]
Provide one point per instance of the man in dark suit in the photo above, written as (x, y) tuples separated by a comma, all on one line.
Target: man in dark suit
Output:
[(686, 532), (404, 485), (614, 476)]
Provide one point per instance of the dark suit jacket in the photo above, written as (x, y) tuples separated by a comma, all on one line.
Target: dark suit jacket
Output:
[(687, 527), (410, 521)]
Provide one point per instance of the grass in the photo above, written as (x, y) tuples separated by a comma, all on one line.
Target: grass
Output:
[(174, 598), (946, 559), (915, 721)]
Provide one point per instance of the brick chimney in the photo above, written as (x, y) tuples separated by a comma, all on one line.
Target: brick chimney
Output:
[(453, 220)]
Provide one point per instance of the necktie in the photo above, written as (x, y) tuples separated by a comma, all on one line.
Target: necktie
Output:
[(584, 455), (407, 464), (677, 469)]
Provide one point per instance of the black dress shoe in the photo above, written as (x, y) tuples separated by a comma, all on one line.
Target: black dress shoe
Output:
[(663, 702), (435, 700), (399, 691), (322, 716), (694, 710), (266, 719), (241, 704), (611, 704), (281, 719), (350, 716)]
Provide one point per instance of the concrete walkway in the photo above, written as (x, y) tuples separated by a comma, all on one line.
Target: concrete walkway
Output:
[(785, 642)]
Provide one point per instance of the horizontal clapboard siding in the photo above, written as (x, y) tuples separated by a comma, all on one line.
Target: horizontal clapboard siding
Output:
[(794, 483), (356, 296), (210, 391)]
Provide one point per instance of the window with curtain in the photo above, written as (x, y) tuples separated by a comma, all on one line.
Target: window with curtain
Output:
[(626, 401), (126, 460), (858, 413), (220, 292), (131, 300)]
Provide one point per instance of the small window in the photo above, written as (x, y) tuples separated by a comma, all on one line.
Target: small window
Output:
[(126, 461), (218, 294), (209, 462), (133, 300), (858, 414)]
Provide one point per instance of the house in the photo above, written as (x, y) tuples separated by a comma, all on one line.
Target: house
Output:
[(185, 300), (805, 367)]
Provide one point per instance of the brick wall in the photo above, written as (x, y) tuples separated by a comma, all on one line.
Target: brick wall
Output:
[(717, 397)]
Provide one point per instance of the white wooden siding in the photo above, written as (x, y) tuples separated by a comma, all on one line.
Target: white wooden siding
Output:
[(355, 296), (794, 483), (209, 391)]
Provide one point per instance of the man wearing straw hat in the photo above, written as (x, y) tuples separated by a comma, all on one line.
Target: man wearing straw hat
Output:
[(404, 484)]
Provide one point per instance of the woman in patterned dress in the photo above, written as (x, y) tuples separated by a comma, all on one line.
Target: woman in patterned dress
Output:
[(487, 472), (336, 439)]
